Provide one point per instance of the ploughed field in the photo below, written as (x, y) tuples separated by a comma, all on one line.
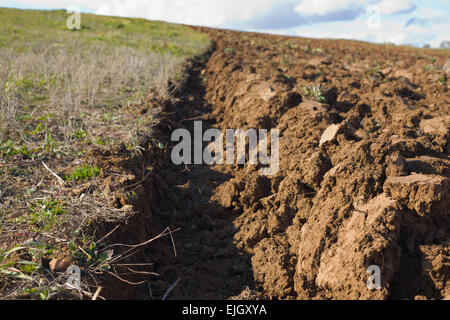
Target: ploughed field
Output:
[(363, 179)]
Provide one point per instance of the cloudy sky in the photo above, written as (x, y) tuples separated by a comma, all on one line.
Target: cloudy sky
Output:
[(398, 21)]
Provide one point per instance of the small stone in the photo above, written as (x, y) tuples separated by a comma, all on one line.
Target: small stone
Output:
[(60, 265), (438, 125), (446, 66), (386, 70), (329, 134), (402, 73), (128, 208), (126, 178)]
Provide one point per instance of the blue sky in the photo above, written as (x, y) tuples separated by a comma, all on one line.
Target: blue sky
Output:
[(396, 21)]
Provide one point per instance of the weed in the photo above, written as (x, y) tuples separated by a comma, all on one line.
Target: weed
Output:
[(375, 73), (80, 134), (85, 173), (44, 213), (291, 46), (36, 130), (286, 60), (15, 171), (229, 50), (40, 294), (10, 148), (161, 146), (314, 92), (101, 142), (91, 255), (49, 143), (442, 81)]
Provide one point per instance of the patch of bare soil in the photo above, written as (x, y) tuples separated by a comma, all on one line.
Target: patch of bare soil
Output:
[(363, 180)]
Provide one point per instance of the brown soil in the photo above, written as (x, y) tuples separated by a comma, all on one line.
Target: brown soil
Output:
[(372, 190)]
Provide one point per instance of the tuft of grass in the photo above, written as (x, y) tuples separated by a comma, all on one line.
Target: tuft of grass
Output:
[(430, 68), (229, 50), (290, 45), (85, 173), (314, 92), (442, 81), (91, 255), (44, 213), (286, 60)]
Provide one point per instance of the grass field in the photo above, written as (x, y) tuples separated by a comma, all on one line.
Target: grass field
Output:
[(63, 92)]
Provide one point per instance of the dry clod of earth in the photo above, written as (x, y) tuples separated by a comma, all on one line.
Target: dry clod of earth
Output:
[(438, 125), (329, 134), (436, 265), (60, 265), (446, 66), (426, 194)]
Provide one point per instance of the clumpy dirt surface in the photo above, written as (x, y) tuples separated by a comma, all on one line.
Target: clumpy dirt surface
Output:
[(364, 175)]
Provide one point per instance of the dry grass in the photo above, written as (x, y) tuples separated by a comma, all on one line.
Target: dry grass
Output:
[(8, 110), (73, 90)]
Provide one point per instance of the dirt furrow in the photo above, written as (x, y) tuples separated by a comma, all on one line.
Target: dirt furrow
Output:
[(363, 179)]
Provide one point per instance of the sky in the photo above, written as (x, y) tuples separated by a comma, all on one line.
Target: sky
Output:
[(397, 21)]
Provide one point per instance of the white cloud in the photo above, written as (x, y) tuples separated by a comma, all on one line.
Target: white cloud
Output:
[(322, 7), (395, 6), (214, 13), (195, 12), (391, 31)]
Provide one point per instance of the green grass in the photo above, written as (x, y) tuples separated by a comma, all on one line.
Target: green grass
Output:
[(45, 213), (83, 173), (22, 29), (442, 81), (50, 76), (229, 50), (314, 93)]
